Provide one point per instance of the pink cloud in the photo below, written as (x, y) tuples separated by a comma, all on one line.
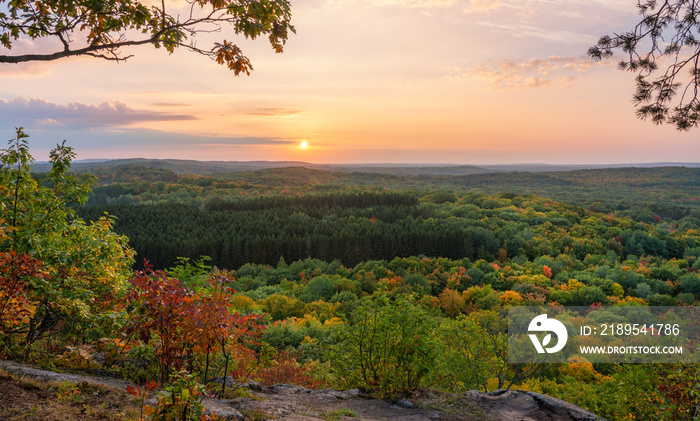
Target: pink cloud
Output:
[(533, 73), (77, 114)]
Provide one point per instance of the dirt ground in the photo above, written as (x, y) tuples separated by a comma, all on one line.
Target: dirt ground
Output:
[(37, 400)]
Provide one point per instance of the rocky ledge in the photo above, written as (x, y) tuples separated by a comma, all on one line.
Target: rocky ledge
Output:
[(294, 403)]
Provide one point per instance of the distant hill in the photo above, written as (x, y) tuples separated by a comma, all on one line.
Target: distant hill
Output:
[(402, 169), (574, 167), (180, 166), (183, 166)]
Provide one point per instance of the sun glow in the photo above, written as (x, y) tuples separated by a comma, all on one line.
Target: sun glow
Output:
[(304, 144)]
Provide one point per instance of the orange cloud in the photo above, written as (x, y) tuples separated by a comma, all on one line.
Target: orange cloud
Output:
[(274, 112), (25, 69), (532, 73), (415, 3)]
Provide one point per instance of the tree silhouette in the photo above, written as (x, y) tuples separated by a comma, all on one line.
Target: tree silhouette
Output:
[(664, 50)]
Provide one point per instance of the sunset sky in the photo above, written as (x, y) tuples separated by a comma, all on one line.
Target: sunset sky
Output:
[(375, 81)]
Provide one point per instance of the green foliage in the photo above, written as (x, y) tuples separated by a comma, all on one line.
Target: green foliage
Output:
[(280, 307), (32, 211), (588, 295), (263, 229), (182, 400), (283, 336), (466, 257), (192, 273), (386, 347), (321, 287), (84, 266), (493, 337), (690, 283), (338, 414), (465, 360)]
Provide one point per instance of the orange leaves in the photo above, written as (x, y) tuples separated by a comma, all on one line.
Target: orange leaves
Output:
[(547, 271), (232, 56), (170, 316), (451, 302), (510, 298), (283, 368), (160, 307), (143, 393), (16, 271), (137, 391)]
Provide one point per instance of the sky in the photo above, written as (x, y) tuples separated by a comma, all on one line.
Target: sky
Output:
[(362, 81)]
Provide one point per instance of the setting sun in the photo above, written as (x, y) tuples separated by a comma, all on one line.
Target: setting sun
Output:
[(304, 144)]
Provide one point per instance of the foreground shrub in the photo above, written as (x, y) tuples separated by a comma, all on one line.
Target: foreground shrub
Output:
[(386, 347), (188, 328)]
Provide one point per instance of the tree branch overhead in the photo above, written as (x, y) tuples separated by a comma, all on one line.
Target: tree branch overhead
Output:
[(668, 36), (103, 29)]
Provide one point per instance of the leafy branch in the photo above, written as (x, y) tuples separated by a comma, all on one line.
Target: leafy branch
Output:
[(667, 36), (103, 29)]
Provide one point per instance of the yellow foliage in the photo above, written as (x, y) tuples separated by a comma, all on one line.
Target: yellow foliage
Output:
[(307, 320), (632, 301), (574, 284), (582, 370), (617, 290), (243, 302), (510, 298), (332, 322)]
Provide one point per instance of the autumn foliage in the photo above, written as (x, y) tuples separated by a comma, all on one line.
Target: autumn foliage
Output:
[(16, 271), (185, 326)]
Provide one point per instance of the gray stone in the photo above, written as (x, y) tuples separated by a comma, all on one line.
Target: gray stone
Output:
[(222, 409), (523, 405), (287, 389), (229, 381), (255, 386)]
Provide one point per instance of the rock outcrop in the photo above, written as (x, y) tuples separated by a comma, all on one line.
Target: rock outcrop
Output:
[(294, 403), (285, 402), (528, 406)]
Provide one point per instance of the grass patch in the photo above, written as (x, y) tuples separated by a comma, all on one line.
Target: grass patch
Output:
[(337, 414), (452, 404), (34, 400), (256, 415)]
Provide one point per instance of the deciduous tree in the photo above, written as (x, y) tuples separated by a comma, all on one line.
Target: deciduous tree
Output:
[(84, 266), (104, 28)]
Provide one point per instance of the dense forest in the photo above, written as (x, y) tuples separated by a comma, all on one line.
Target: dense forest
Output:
[(389, 284), (353, 227), (643, 194)]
